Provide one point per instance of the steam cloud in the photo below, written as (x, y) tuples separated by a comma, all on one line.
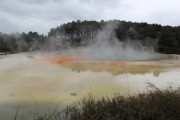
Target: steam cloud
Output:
[(106, 46)]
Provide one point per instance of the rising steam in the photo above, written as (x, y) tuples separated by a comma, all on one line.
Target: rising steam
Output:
[(106, 46)]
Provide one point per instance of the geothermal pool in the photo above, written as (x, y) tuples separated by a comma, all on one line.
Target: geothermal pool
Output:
[(31, 81)]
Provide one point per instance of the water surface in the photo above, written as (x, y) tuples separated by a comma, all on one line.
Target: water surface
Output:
[(29, 81)]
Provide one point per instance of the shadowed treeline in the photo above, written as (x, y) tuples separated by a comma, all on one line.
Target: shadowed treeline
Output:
[(164, 39)]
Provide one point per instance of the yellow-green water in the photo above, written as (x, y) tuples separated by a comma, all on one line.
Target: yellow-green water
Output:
[(30, 81)]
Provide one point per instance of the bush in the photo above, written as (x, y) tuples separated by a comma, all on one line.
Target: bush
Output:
[(153, 105)]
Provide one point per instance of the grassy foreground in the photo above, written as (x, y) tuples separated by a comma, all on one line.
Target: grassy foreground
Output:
[(155, 104)]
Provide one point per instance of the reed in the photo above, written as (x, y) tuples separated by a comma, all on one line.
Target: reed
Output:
[(155, 104)]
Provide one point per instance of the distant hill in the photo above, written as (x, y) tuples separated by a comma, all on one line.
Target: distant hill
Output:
[(164, 39)]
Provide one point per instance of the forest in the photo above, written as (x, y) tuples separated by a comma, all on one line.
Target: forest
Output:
[(164, 39)]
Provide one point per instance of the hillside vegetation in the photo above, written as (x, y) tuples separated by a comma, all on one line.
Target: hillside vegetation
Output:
[(164, 39)]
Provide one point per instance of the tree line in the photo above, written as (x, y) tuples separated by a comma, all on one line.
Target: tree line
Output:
[(14, 43), (164, 39)]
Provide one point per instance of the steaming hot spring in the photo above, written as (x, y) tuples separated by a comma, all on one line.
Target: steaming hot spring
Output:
[(45, 79)]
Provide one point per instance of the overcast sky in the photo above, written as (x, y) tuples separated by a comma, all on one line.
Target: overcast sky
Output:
[(42, 15)]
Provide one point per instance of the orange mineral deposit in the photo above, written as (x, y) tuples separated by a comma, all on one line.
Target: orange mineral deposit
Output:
[(65, 59)]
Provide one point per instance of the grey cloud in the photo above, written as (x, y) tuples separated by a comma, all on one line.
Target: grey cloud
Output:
[(6, 25), (42, 15)]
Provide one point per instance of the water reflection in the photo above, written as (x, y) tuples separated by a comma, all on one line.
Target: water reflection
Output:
[(115, 67), (28, 81), (115, 70)]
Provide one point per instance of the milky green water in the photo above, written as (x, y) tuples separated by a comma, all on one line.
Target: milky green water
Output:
[(29, 82)]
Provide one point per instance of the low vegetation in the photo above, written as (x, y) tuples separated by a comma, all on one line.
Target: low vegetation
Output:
[(156, 104)]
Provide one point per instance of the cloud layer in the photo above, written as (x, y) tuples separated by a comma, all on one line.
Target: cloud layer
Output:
[(42, 15)]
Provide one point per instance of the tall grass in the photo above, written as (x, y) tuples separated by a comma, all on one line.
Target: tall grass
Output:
[(155, 104)]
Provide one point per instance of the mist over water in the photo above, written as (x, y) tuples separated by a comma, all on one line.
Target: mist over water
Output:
[(106, 46), (21, 74)]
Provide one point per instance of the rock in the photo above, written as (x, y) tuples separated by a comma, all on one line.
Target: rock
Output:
[(73, 94)]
